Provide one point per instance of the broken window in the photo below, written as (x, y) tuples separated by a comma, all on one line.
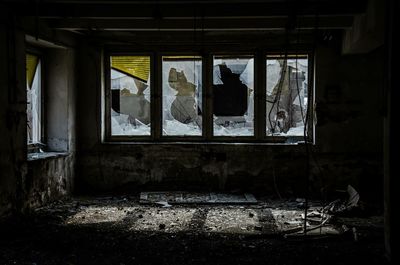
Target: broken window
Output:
[(181, 96), (33, 95), (130, 95), (287, 97), (181, 108), (233, 95)]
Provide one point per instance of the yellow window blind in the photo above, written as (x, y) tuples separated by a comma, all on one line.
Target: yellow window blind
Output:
[(31, 65), (135, 66)]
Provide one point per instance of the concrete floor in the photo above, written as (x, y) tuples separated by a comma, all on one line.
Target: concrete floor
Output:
[(119, 230)]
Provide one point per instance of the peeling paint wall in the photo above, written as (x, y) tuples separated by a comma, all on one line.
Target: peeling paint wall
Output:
[(12, 115), (25, 184), (348, 146), (60, 102), (47, 180), (52, 177), (180, 167)]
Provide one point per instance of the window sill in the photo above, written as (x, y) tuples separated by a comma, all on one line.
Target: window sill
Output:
[(249, 143), (45, 155)]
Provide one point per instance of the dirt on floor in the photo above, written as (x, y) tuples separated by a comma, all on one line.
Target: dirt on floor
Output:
[(120, 230)]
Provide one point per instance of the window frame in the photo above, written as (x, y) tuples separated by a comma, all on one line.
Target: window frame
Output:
[(35, 147), (175, 138), (226, 138), (207, 57), (310, 91), (107, 100)]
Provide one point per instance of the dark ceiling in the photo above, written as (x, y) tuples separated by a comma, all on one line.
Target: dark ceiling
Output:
[(189, 15), (130, 21)]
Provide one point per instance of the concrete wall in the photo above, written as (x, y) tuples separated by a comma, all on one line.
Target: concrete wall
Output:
[(350, 116), (60, 99), (12, 115), (47, 180), (28, 183), (348, 140), (51, 176), (368, 30)]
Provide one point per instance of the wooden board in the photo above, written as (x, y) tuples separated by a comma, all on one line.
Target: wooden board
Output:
[(178, 197)]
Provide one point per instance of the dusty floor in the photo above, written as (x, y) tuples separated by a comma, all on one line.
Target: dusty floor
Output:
[(119, 230)]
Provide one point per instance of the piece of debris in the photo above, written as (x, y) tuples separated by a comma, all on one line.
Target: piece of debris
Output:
[(354, 197), (164, 204), (251, 215), (294, 222), (292, 230), (315, 216), (195, 198), (258, 228), (316, 219), (355, 234), (161, 226), (349, 207)]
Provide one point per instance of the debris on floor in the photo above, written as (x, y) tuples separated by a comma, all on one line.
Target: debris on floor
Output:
[(164, 204), (349, 207), (324, 221), (196, 198), (120, 230)]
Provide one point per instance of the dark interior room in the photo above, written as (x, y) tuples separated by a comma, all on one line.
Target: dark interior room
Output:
[(197, 131)]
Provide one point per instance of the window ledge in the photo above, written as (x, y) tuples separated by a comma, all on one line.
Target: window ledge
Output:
[(198, 143), (46, 155)]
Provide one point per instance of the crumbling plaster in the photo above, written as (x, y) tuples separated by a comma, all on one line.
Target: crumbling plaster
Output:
[(48, 180), (26, 183), (12, 116)]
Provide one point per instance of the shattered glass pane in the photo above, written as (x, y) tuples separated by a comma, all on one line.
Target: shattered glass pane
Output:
[(181, 96), (233, 95), (130, 95), (33, 94), (286, 102)]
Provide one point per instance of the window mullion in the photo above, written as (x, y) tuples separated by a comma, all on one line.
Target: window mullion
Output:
[(311, 95), (156, 73), (107, 93), (207, 97), (260, 110)]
